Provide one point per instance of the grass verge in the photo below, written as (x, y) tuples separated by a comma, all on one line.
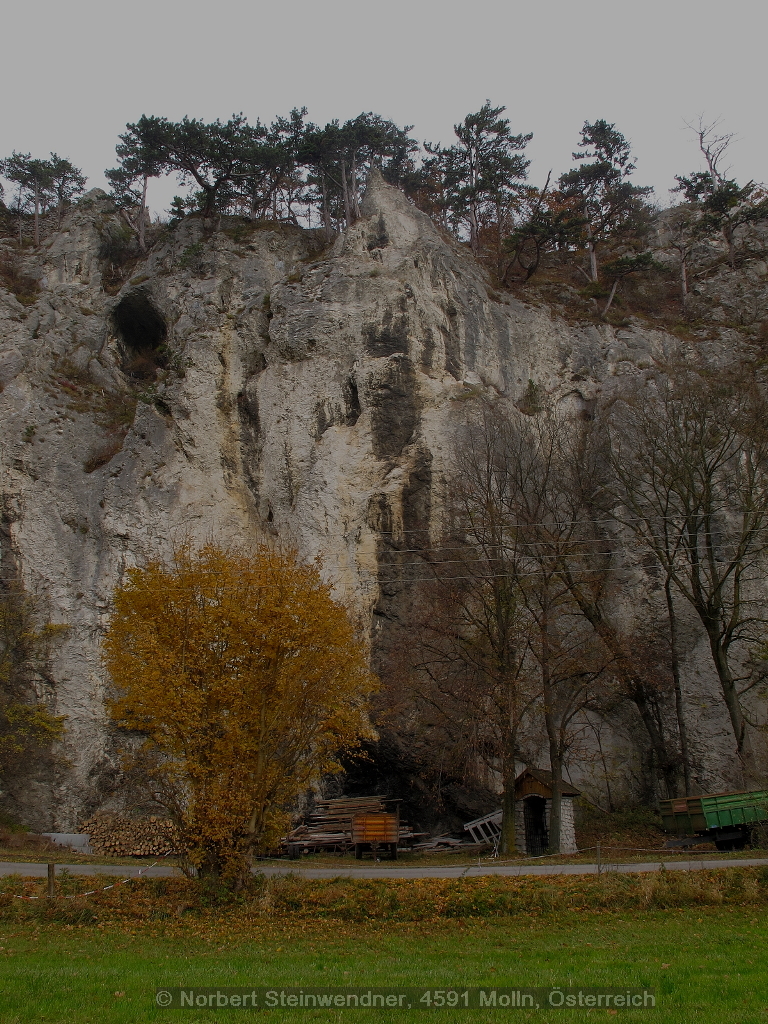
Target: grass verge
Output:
[(200, 906)]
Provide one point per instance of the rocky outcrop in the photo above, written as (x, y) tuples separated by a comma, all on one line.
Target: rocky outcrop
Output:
[(306, 392)]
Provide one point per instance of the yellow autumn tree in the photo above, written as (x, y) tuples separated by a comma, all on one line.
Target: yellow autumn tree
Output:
[(247, 680)]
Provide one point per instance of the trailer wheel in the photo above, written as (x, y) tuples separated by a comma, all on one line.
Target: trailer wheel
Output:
[(731, 844), (393, 851)]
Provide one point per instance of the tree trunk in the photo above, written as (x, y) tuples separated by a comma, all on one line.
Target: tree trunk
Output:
[(497, 242), (675, 664), (37, 216), (592, 253), (730, 696), (663, 761), (507, 844), (142, 215), (610, 297), (210, 867), (474, 229), (555, 761), (606, 776), (684, 279), (326, 211), (555, 811), (355, 200), (509, 682), (345, 193)]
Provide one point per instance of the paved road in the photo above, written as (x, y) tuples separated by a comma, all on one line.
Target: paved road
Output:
[(509, 870), (41, 870), (442, 871)]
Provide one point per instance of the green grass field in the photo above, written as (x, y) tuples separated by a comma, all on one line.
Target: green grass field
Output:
[(708, 966), (700, 941)]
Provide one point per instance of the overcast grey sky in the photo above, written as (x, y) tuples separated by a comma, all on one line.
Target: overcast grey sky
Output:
[(74, 72)]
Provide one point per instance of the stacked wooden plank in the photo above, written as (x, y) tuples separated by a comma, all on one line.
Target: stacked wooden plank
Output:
[(442, 843), (329, 826)]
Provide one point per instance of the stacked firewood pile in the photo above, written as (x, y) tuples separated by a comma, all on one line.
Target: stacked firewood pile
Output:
[(118, 836), (329, 826)]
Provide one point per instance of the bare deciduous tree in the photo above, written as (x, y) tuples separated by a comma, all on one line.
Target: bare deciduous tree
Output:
[(523, 505), (690, 454)]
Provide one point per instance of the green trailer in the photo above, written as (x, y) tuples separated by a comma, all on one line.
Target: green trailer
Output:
[(725, 819)]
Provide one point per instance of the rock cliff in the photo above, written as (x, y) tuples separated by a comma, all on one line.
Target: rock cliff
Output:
[(309, 392)]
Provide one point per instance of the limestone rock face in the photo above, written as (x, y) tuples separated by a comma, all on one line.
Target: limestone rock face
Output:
[(310, 393)]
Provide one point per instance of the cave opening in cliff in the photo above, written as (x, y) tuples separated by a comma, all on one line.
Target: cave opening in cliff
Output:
[(142, 332)]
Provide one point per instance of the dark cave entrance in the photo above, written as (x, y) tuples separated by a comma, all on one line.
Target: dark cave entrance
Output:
[(142, 331)]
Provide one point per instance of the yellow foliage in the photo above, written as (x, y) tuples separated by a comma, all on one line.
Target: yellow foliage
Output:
[(247, 680), (24, 725), (25, 647)]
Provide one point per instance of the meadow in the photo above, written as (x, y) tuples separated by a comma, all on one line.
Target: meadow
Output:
[(698, 940)]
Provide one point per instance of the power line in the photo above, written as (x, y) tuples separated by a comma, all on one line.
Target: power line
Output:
[(623, 521), (500, 575), (375, 574), (504, 547), (426, 562)]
